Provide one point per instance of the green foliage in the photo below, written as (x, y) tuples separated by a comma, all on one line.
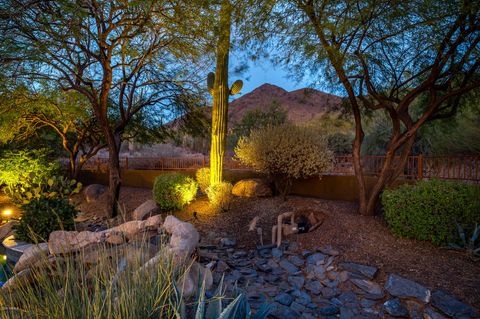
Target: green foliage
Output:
[(285, 152), (429, 209), (42, 216), (28, 175), (203, 178), (338, 129), (68, 288), (272, 115), (174, 191), (470, 245), (212, 308), (220, 195)]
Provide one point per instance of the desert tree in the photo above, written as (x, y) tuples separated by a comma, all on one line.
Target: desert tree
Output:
[(385, 56), (25, 112), (122, 56)]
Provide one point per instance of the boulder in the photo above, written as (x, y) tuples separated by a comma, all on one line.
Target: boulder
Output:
[(184, 237), (404, 288), (7, 229), (31, 256), (254, 187), (23, 277), (63, 242), (129, 229), (154, 222), (93, 192), (145, 210)]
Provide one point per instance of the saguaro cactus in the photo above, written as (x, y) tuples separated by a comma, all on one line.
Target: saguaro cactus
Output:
[(218, 87)]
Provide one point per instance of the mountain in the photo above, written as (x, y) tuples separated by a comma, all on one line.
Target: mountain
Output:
[(301, 105)]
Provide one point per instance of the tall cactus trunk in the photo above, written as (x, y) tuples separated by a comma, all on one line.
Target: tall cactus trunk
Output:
[(220, 96)]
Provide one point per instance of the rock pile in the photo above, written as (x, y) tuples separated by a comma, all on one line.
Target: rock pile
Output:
[(315, 284)]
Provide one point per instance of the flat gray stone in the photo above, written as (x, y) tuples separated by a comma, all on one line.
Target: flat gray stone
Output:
[(432, 314), (296, 281), (313, 286), (283, 312), (451, 306), (288, 266), (362, 270), (297, 261), (395, 308), (316, 258), (284, 299), (404, 288)]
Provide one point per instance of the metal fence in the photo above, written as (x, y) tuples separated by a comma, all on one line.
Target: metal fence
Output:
[(416, 167)]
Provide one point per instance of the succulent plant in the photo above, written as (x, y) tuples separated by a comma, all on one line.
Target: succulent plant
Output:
[(212, 308), (234, 89), (469, 245)]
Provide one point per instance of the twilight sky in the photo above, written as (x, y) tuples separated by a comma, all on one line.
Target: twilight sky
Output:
[(264, 72)]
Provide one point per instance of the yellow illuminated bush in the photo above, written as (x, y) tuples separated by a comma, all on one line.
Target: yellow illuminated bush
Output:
[(284, 153), (220, 195), (174, 191), (203, 178)]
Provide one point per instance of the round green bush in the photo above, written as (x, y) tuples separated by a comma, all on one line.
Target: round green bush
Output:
[(42, 216), (174, 191), (430, 209)]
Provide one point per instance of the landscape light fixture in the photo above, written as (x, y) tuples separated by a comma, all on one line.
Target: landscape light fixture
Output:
[(7, 212)]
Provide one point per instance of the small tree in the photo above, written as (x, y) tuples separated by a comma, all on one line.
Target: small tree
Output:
[(63, 113), (285, 152)]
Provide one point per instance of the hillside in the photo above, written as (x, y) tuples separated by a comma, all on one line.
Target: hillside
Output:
[(301, 105)]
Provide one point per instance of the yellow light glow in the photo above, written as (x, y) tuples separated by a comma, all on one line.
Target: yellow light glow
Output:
[(4, 257), (7, 212)]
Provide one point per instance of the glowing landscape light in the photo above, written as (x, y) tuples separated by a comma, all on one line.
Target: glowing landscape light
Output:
[(7, 212)]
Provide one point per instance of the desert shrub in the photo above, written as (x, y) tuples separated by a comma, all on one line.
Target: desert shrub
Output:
[(429, 210), (42, 216), (285, 152), (220, 195), (31, 174), (174, 191), (203, 178)]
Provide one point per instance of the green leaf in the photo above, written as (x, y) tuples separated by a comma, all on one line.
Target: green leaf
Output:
[(50, 182)]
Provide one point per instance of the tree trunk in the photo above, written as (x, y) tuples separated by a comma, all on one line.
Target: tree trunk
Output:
[(220, 96)]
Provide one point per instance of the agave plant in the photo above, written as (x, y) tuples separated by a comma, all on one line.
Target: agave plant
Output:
[(213, 308), (469, 245)]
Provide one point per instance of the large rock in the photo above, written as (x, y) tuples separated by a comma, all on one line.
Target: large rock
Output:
[(451, 306), (252, 188), (404, 288), (184, 237), (63, 242), (31, 256), (93, 192), (129, 229), (7, 229), (145, 210)]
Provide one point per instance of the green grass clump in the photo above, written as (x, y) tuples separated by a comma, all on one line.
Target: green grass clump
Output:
[(430, 209)]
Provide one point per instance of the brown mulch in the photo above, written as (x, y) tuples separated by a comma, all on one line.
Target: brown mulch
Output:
[(359, 239)]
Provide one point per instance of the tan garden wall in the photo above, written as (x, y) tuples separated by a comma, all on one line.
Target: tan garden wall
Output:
[(334, 187)]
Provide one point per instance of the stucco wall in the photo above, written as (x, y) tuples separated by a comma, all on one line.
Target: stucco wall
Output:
[(328, 187)]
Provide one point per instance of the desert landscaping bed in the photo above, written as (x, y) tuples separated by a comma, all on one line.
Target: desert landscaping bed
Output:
[(359, 239)]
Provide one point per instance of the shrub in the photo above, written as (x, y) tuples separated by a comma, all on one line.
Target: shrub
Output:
[(174, 191), (203, 178), (28, 175), (285, 152), (42, 216), (220, 195), (429, 210)]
